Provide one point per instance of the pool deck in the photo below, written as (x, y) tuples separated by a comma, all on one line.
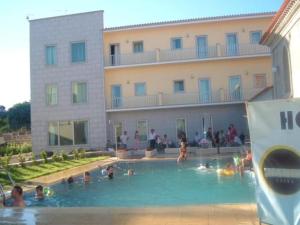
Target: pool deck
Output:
[(237, 214)]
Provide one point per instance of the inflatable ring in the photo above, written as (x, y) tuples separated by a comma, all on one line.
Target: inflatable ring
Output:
[(225, 172)]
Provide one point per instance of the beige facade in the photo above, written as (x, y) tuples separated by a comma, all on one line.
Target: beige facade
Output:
[(217, 62)]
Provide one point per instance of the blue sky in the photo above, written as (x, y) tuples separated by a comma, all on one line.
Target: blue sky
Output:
[(14, 38)]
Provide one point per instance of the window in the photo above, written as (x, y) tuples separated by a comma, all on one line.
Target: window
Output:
[(66, 133), (138, 47), (142, 128), (51, 92), (140, 89), (78, 52), (118, 128), (204, 90), (51, 55), (202, 48), (255, 37), (180, 128), (260, 81), (80, 132), (176, 43), (116, 96), (178, 86), (235, 88), (79, 92), (232, 44), (53, 134)]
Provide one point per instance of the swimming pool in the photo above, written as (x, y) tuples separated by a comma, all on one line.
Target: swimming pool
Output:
[(156, 183)]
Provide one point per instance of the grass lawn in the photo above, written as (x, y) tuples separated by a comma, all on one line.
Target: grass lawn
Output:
[(21, 174)]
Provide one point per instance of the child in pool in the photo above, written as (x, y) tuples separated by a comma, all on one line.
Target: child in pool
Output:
[(39, 192), (110, 172), (87, 177), (183, 152), (130, 172)]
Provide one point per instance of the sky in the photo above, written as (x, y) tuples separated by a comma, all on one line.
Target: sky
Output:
[(14, 38)]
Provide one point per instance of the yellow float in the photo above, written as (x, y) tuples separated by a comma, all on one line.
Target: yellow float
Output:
[(225, 172)]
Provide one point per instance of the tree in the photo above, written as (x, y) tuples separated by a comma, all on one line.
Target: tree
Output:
[(3, 120), (2, 112), (19, 116)]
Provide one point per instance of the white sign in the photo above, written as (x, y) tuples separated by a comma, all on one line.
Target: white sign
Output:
[(275, 141)]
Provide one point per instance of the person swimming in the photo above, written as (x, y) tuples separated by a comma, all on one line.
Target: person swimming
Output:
[(110, 172), (39, 192), (87, 177), (70, 180), (183, 152), (205, 166), (130, 172)]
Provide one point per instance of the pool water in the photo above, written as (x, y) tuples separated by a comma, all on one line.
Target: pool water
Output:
[(156, 183)]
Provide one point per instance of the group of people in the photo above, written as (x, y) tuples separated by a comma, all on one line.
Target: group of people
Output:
[(219, 138), (238, 166), (41, 192), (154, 140)]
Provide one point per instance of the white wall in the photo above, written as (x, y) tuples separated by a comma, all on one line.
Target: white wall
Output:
[(287, 37), (61, 31)]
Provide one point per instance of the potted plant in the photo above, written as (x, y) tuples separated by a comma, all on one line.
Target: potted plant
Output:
[(150, 152), (122, 153)]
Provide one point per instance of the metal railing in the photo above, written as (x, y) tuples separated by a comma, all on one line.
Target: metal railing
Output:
[(197, 53), (189, 98)]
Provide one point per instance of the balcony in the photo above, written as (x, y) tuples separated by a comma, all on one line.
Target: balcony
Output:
[(163, 100), (160, 56)]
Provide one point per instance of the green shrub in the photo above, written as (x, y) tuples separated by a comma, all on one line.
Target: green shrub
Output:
[(15, 149), (26, 148), (33, 158), (5, 160), (82, 153), (76, 154), (43, 155), (64, 156), (56, 157), (21, 159)]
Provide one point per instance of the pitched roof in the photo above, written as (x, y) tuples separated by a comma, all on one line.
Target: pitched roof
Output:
[(279, 16), (193, 20)]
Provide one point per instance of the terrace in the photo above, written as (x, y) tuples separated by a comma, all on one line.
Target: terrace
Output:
[(165, 56), (167, 100)]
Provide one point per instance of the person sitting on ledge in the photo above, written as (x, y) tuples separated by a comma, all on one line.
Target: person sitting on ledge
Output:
[(17, 196)]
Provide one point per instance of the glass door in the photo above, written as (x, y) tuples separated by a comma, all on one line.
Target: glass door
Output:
[(114, 54), (116, 96), (202, 49), (204, 91), (232, 45), (235, 88)]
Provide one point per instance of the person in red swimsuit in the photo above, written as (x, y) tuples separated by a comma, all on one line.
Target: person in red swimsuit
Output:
[(183, 152)]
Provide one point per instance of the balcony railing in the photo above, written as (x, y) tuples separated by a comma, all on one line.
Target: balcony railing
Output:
[(200, 53), (186, 99)]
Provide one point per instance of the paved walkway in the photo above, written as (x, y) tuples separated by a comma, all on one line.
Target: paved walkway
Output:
[(243, 214)]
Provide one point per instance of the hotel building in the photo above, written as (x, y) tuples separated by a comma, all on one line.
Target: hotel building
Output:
[(89, 83)]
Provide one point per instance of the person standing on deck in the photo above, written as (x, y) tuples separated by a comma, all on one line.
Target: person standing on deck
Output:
[(152, 138)]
